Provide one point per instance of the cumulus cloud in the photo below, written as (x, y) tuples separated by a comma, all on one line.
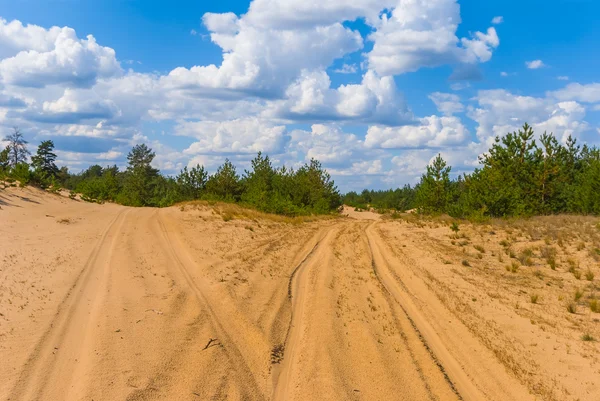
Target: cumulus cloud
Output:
[(535, 64), (447, 103), (582, 93), (500, 112), (261, 57), (432, 131), (423, 34), (236, 136), (375, 100), (497, 20), (327, 143), (346, 69), (54, 56)]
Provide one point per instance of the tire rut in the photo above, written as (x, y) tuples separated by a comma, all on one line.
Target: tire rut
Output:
[(53, 351), (456, 378), (296, 295), (246, 378)]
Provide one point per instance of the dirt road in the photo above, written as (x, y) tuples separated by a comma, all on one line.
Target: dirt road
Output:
[(182, 305)]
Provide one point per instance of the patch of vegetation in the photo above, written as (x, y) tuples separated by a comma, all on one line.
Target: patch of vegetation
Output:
[(465, 263), (594, 306), (587, 337), (534, 298), (526, 257)]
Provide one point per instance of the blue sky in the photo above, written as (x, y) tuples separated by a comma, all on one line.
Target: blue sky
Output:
[(374, 89)]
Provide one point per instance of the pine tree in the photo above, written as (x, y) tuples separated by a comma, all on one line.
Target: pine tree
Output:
[(44, 161), (433, 191), (224, 184), (258, 183), (192, 182), (140, 177)]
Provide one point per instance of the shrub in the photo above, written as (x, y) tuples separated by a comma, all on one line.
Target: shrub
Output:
[(571, 308), (534, 298), (465, 263), (589, 275)]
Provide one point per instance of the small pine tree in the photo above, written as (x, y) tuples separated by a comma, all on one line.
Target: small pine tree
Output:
[(44, 161), (433, 192)]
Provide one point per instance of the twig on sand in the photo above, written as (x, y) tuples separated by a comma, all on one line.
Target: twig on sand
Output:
[(211, 343)]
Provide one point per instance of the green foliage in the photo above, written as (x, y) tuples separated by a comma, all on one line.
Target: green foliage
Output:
[(192, 182), (519, 176), (21, 173), (4, 162), (44, 166), (225, 183), (400, 199), (433, 192)]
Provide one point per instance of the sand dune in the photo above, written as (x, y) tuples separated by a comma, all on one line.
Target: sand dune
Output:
[(105, 302)]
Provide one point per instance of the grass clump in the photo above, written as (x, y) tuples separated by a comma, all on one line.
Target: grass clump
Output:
[(587, 337), (571, 307), (534, 298), (578, 295), (589, 275), (466, 263), (513, 267), (526, 257), (479, 248), (594, 307)]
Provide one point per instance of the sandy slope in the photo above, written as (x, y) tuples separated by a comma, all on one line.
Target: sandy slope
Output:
[(180, 304)]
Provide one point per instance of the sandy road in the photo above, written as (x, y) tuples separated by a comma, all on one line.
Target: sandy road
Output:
[(172, 306)]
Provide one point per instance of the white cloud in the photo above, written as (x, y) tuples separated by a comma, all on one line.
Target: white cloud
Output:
[(327, 143), (346, 69), (432, 131), (422, 33), (497, 20), (54, 56), (562, 78), (375, 100), (582, 93), (262, 57), (535, 64), (500, 112), (193, 32), (447, 103), (236, 136)]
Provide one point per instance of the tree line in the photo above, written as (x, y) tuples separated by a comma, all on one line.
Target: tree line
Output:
[(518, 176), (306, 190)]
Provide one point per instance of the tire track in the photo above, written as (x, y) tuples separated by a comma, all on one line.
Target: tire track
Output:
[(297, 294), (455, 376), (246, 379), (61, 344)]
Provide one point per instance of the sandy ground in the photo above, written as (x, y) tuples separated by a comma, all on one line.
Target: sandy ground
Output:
[(102, 302)]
